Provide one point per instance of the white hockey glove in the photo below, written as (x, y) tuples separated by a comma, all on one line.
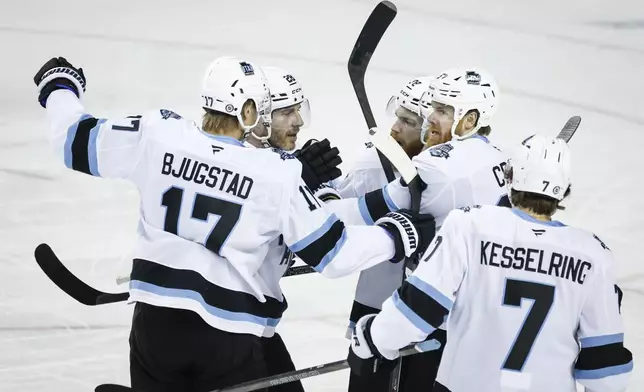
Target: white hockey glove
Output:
[(411, 237), (364, 357), (326, 193)]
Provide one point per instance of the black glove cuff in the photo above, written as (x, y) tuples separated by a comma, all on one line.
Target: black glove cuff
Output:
[(56, 84)]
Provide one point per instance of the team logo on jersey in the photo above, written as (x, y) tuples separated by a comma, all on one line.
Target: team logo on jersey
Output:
[(166, 114), (216, 149), (538, 232), (247, 69), (369, 144), (284, 155), (469, 208), (441, 151), (472, 77)]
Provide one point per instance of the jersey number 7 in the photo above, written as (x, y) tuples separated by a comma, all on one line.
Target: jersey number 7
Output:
[(203, 206), (543, 296)]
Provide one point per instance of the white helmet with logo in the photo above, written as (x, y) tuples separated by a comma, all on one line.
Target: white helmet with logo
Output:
[(409, 97), (465, 89), (286, 91), (541, 165), (230, 82)]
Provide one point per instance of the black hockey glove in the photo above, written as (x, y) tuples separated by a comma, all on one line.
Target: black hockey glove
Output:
[(319, 162), (411, 236), (57, 74), (364, 357)]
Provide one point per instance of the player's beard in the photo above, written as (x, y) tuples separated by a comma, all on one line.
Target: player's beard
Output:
[(434, 136), (288, 139)]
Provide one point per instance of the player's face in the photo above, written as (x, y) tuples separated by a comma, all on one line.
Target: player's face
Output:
[(286, 123), (406, 131), (440, 123)]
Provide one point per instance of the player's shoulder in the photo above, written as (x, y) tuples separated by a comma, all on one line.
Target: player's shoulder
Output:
[(457, 150), (366, 158), (589, 242), (279, 163), (159, 122)]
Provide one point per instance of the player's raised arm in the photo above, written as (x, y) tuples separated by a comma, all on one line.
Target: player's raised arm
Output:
[(95, 146), (322, 240), (603, 364)]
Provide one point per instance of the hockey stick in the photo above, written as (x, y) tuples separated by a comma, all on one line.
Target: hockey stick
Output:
[(87, 295), (569, 129), (372, 31), (69, 283), (272, 381)]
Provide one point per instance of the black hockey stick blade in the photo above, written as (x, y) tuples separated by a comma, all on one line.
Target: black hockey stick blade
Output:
[(569, 128), (112, 388), (299, 270), (56, 271), (371, 34)]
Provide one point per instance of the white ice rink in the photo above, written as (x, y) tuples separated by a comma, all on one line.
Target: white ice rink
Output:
[(553, 59)]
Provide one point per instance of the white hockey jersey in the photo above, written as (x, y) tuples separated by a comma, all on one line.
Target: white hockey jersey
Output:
[(210, 210), (532, 306), (457, 174), (366, 174)]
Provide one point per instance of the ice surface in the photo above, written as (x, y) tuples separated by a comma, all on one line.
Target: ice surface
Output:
[(553, 59)]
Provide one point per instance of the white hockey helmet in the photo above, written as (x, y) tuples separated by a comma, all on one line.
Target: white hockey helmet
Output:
[(229, 82), (465, 89), (286, 91), (409, 97), (541, 165)]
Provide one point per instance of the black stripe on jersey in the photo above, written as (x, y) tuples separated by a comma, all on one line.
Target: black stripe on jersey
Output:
[(80, 154), (600, 357), (426, 307), (316, 250), (359, 310), (376, 204), (216, 296)]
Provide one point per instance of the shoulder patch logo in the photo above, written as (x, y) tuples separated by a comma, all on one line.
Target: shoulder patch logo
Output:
[(369, 144), (284, 155), (166, 114), (441, 150)]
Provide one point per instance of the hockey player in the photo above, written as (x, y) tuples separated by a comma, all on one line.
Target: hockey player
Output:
[(482, 264), (459, 167), (290, 111), (376, 283), (210, 208)]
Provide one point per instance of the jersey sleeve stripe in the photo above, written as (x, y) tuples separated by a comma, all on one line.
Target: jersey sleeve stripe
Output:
[(331, 254), (412, 316), (594, 341), (92, 153), (388, 200), (165, 281), (422, 304), (69, 140), (315, 235), (604, 372), (431, 291), (364, 211), (376, 204), (319, 253)]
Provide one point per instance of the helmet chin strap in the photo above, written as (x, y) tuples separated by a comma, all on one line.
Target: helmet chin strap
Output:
[(263, 139)]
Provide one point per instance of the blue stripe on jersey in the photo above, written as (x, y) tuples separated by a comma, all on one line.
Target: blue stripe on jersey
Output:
[(431, 291), (364, 211), (595, 341), (329, 256), (314, 236), (195, 296), (414, 318), (529, 218), (92, 155), (69, 140), (390, 202), (604, 372)]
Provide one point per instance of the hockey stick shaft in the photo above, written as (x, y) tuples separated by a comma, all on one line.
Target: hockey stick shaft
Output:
[(372, 32), (271, 381)]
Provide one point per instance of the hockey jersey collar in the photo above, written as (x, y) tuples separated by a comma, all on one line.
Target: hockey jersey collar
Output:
[(224, 139), (478, 136), (530, 219)]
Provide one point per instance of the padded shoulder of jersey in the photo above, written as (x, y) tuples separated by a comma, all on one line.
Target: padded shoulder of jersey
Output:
[(459, 156), (367, 158)]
